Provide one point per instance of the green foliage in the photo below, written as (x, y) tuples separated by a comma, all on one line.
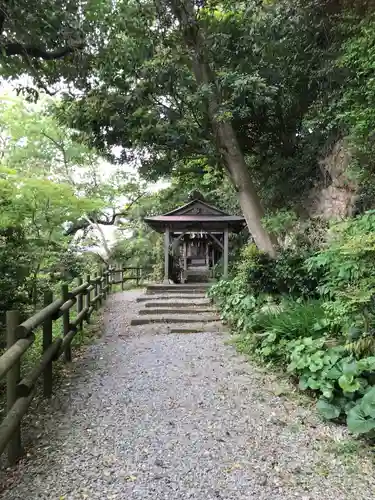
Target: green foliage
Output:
[(324, 341), (347, 272), (361, 418), (281, 222), (157, 109), (295, 334), (287, 274), (49, 47), (316, 366), (292, 319), (53, 191)]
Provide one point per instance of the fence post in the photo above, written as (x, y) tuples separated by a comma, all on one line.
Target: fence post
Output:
[(88, 298), (47, 341), (97, 291), (117, 277), (122, 277), (104, 284), (80, 302), (137, 276), (109, 278), (13, 377), (66, 323), (112, 278)]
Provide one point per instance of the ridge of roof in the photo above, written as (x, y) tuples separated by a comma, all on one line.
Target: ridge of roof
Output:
[(196, 200)]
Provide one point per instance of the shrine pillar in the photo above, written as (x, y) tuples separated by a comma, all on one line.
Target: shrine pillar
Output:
[(226, 252), (166, 255)]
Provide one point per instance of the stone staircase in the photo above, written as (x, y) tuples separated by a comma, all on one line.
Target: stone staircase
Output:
[(182, 308), (198, 274)]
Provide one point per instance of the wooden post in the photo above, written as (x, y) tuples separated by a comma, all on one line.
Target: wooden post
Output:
[(122, 277), (101, 287), (117, 273), (80, 302), (97, 291), (166, 255), (104, 285), (185, 256), (226, 252), (88, 298), (112, 273), (13, 377), (47, 341), (66, 323), (109, 280), (137, 278)]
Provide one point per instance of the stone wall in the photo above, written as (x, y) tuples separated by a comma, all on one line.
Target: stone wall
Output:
[(335, 197)]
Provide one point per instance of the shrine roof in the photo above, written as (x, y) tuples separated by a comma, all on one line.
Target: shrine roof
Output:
[(196, 214), (196, 204)]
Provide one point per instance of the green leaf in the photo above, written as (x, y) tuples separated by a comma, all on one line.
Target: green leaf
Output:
[(349, 383), (313, 383), (350, 369), (366, 364), (303, 383), (315, 367), (334, 373), (327, 409), (357, 421), (327, 390), (368, 403), (266, 351), (291, 367)]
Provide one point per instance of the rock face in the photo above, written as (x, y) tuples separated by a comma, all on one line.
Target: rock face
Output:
[(337, 196)]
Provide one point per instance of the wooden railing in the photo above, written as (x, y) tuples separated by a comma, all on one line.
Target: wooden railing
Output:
[(89, 295), (123, 274)]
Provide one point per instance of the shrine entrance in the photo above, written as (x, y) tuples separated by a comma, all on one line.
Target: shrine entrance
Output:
[(196, 238)]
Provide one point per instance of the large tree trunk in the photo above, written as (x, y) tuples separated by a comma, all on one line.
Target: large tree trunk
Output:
[(226, 139), (249, 200)]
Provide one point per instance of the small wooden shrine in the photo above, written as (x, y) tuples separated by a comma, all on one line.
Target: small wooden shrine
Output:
[(197, 235)]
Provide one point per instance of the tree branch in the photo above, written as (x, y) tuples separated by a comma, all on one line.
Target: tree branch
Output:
[(18, 49), (85, 222), (61, 147)]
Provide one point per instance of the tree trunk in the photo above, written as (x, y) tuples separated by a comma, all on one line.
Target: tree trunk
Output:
[(250, 203), (226, 140)]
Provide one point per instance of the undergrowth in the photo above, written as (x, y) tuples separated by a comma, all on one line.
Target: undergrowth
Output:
[(311, 313)]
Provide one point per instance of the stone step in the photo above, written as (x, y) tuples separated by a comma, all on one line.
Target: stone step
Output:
[(192, 291), (184, 310), (185, 330), (177, 304), (182, 297), (194, 329), (197, 318), (187, 289), (196, 278)]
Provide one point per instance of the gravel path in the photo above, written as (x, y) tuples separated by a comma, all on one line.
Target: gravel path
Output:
[(148, 415)]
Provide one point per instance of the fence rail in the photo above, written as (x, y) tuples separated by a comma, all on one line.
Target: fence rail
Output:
[(89, 295)]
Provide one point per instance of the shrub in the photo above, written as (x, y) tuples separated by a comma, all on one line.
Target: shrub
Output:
[(344, 383), (292, 276), (260, 274), (313, 312), (236, 305), (285, 275), (347, 271), (273, 328), (361, 418)]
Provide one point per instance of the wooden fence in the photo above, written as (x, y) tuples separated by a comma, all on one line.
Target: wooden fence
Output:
[(88, 296)]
